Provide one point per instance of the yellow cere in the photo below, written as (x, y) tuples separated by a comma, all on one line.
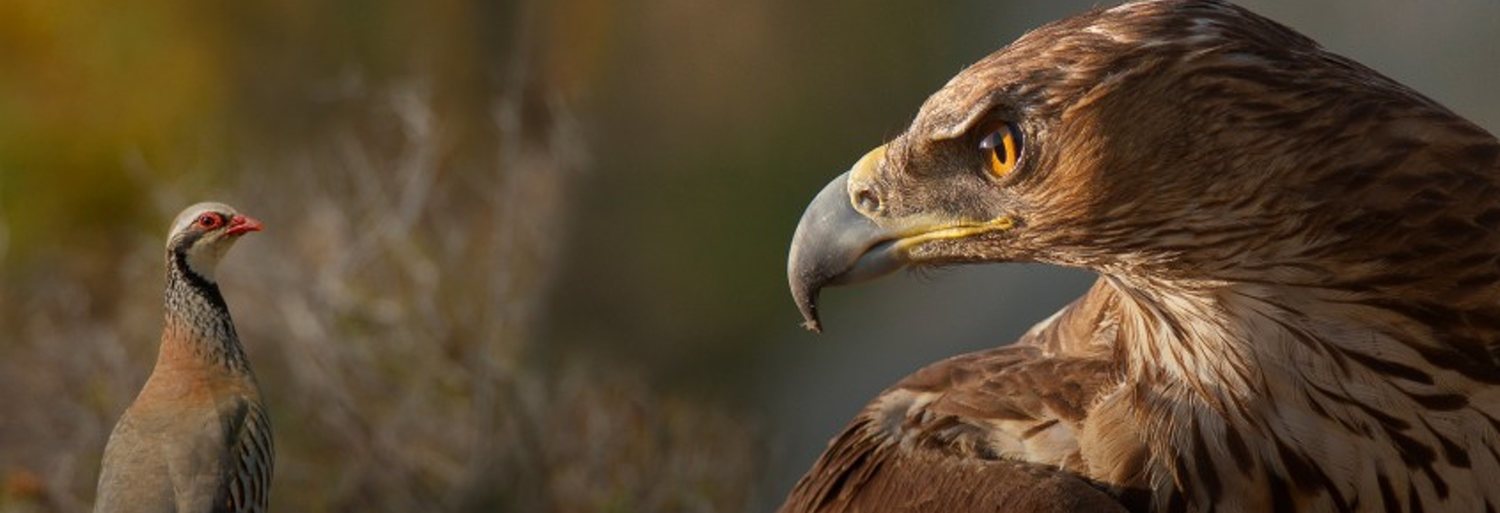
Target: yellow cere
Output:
[(864, 169)]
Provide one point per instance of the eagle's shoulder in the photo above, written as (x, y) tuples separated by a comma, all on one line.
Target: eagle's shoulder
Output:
[(1009, 427)]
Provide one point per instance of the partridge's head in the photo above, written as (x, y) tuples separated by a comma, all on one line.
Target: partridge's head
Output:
[(202, 233)]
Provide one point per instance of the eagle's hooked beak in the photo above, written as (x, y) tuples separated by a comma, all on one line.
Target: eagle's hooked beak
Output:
[(837, 244)]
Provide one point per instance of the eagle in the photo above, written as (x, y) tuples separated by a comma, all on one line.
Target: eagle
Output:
[(1298, 296)]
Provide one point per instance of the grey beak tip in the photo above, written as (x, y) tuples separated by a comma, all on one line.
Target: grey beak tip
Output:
[(813, 326), (805, 292)]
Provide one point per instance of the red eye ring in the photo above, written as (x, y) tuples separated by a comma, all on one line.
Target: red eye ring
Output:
[(210, 220)]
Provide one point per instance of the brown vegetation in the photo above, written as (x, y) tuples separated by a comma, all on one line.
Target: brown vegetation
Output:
[(389, 310)]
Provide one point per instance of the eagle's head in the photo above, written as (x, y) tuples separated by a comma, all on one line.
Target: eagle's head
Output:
[(1161, 140)]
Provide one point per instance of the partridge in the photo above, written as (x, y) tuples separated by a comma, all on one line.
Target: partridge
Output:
[(196, 439)]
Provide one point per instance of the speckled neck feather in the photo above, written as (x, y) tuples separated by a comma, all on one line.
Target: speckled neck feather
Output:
[(197, 319)]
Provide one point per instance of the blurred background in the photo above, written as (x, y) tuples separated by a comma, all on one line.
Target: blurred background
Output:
[(521, 255)]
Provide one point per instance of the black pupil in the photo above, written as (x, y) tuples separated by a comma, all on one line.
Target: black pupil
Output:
[(996, 143), (208, 220)]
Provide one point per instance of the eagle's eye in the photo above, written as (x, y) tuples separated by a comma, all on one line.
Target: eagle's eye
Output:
[(1002, 148), (210, 221)]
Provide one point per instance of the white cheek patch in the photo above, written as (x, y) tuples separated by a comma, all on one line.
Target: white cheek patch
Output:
[(204, 255)]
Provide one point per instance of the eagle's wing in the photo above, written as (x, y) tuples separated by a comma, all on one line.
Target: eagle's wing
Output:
[(996, 430)]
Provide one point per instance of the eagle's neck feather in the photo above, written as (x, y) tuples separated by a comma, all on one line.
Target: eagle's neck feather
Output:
[(1257, 383)]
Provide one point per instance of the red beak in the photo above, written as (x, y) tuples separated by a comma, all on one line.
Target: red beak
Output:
[(243, 224)]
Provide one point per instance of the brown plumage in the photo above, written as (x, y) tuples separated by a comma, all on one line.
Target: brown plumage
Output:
[(1299, 297), (197, 438)]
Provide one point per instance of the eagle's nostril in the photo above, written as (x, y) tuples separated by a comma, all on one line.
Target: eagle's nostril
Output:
[(866, 201)]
